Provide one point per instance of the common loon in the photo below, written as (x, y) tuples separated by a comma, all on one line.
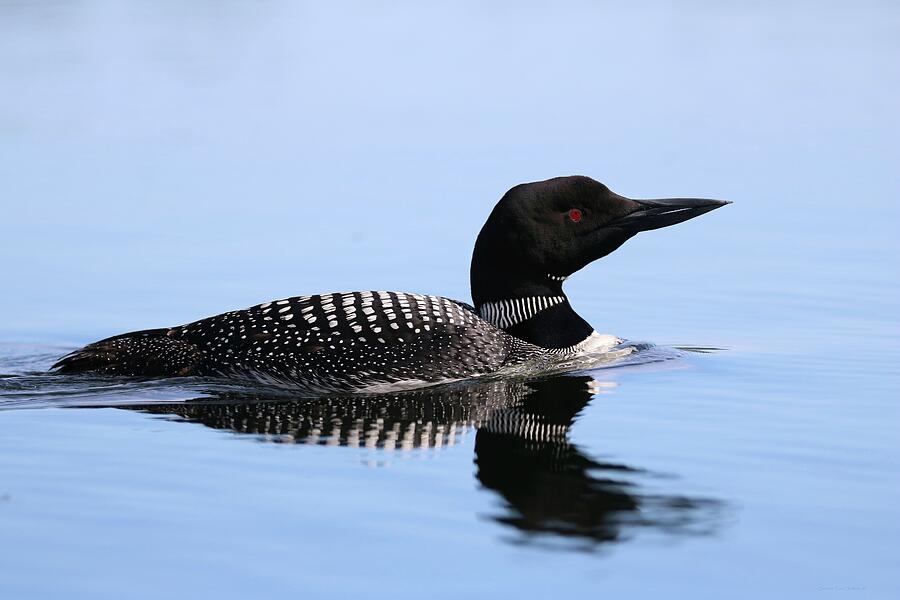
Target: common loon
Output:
[(537, 235)]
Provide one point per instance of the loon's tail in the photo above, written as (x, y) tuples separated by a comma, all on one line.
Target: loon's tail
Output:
[(151, 352)]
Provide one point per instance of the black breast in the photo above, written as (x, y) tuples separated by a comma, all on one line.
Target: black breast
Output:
[(349, 341)]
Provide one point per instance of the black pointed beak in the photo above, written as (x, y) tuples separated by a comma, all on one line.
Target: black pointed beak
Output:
[(654, 214)]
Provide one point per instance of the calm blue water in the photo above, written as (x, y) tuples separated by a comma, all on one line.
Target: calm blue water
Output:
[(161, 162)]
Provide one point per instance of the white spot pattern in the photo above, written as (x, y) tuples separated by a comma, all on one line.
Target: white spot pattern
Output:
[(443, 341)]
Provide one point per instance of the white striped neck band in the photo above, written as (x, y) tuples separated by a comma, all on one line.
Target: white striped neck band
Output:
[(506, 313)]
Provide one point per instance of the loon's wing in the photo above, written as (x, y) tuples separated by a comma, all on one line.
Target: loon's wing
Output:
[(348, 341), (354, 341)]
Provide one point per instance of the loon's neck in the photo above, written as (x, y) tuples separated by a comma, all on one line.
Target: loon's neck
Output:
[(545, 321), (526, 302), (533, 309)]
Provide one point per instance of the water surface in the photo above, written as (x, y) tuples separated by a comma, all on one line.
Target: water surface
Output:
[(164, 162)]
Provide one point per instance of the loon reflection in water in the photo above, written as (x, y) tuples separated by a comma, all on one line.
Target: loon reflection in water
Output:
[(522, 451)]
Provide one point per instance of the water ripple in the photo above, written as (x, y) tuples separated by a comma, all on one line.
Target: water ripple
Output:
[(26, 383)]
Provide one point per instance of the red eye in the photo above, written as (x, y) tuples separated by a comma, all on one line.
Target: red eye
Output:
[(575, 215)]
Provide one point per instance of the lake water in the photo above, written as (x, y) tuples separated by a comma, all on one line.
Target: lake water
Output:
[(161, 162)]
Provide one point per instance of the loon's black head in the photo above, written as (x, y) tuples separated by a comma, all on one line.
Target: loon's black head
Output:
[(539, 233)]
